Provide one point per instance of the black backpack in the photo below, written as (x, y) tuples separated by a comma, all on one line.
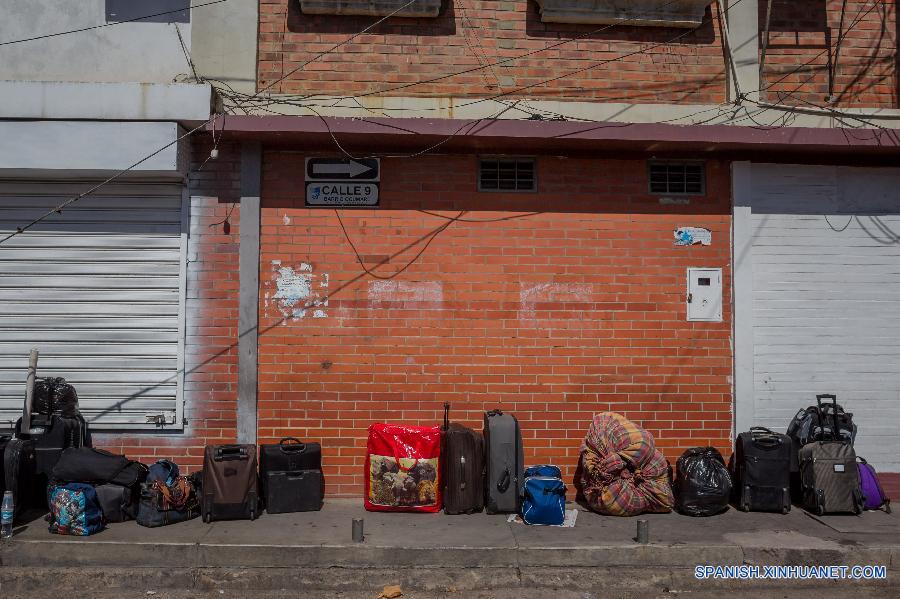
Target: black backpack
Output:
[(815, 423)]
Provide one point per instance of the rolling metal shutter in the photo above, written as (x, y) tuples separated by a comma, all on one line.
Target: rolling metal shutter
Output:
[(826, 298), (98, 291)]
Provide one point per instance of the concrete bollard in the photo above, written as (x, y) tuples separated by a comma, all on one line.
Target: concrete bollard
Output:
[(643, 532), (358, 536)]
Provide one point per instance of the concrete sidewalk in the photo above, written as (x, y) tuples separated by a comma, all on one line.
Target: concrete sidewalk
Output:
[(433, 551)]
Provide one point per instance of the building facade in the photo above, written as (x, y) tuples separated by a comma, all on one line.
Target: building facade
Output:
[(551, 208)]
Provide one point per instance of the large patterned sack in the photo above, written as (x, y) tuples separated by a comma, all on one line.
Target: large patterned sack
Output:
[(622, 472), (403, 468)]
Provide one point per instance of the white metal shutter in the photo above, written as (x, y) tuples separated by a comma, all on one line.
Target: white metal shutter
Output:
[(826, 298), (97, 290)]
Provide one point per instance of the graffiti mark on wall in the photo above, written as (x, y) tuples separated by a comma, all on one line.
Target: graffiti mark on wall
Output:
[(532, 295), (299, 291)]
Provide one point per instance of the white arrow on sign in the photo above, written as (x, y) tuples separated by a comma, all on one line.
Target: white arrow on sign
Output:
[(352, 168)]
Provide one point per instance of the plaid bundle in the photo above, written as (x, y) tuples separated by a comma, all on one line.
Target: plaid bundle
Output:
[(622, 472)]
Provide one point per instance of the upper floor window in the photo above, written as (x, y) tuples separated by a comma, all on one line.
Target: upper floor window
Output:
[(148, 11), (677, 177), (375, 8)]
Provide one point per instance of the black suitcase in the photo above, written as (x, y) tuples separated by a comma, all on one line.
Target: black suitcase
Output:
[(289, 455), (297, 491), (504, 462), (230, 483), (462, 461), (20, 475), (54, 434), (762, 470)]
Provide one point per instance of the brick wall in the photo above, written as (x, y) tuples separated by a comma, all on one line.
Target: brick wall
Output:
[(564, 303), (210, 387), (804, 53), (470, 33)]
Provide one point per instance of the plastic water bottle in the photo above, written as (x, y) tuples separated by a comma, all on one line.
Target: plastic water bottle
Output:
[(6, 515)]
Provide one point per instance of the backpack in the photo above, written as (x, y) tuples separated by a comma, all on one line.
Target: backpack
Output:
[(871, 487), (74, 510), (543, 496), (815, 423)]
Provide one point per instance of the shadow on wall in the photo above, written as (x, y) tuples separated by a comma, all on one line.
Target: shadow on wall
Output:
[(444, 24), (704, 34)]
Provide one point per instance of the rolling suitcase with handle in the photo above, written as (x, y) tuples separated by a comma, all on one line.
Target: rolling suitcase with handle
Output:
[(762, 471), (230, 483), (463, 464), (829, 476), (504, 462)]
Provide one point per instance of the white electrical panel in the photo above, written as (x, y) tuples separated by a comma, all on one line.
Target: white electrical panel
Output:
[(704, 294)]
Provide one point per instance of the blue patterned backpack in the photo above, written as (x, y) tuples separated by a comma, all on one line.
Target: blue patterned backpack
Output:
[(74, 510)]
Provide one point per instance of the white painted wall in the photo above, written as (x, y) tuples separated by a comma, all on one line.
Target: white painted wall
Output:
[(148, 52), (60, 148), (818, 250)]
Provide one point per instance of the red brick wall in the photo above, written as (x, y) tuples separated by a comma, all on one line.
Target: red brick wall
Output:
[(803, 40), (470, 33), (553, 316), (210, 386)]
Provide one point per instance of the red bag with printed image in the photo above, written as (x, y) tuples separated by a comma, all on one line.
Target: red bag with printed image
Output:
[(403, 468)]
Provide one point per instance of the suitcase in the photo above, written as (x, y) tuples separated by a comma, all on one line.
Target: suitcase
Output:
[(54, 434), (462, 458), (230, 483), (762, 470), (20, 475), (297, 491), (504, 462), (829, 477), (289, 455)]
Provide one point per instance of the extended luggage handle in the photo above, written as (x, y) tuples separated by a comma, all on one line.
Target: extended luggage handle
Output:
[(446, 416), (297, 446), (226, 453)]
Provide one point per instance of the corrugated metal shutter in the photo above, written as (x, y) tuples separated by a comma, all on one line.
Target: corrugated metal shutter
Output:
[(826, 298), (97, 289)]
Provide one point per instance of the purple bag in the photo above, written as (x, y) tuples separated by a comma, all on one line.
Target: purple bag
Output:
[(871, 488)]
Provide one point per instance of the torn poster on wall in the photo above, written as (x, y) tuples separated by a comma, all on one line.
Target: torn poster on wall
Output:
[(692, 236)]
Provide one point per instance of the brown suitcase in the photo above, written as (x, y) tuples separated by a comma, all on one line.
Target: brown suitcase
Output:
[(230, 483), (462, 461)]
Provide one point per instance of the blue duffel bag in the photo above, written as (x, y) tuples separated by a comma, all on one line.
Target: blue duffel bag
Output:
[(543, 496)]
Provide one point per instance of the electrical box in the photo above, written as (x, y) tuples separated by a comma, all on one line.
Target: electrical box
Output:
[(704, 294)]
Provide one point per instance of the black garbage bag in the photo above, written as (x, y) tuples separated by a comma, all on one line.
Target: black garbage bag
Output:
[(702, 483), (53, 395)]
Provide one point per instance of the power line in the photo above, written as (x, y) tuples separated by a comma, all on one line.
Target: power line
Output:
[(58, 209), (101, 26)]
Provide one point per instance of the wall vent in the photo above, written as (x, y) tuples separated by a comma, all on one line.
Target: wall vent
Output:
[(678, 178), (507, 174)]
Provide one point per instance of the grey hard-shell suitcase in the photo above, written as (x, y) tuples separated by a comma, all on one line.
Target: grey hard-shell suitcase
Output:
[(504, 462), (829, 476)]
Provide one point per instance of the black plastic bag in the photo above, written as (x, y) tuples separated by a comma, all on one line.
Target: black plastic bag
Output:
[(702, 483), (53, 395)]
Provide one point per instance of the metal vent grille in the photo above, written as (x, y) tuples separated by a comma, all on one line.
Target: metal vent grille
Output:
[(506, 174), (684, 178)]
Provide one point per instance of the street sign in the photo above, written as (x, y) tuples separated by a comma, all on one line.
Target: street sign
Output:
[(337, 194), (342, 182), (343, 169)]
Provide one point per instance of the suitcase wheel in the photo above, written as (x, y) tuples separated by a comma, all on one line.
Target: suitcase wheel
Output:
[(820, 511), (785, 510), (206, 517), (745, 507), (253, 514)]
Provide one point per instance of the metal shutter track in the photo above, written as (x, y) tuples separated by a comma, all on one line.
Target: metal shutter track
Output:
[(96, 289)]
